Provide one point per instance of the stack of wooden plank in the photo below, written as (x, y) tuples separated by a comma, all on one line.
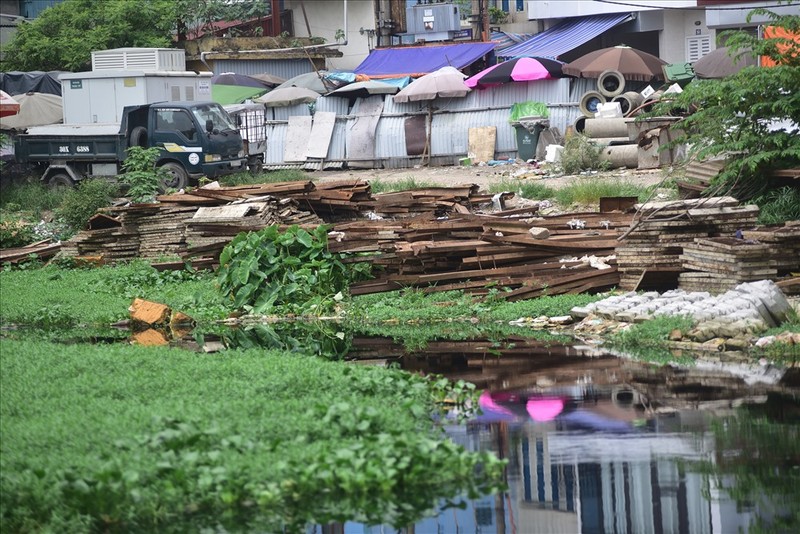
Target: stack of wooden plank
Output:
[(129, 232), (475, 253), (151, 231), (42, 250), (649, 256), (721, 263), (783, 242)]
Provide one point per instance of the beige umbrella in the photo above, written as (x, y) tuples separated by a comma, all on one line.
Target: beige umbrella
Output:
[(35, 109), (287, 96), (443, 83), (720, 63)]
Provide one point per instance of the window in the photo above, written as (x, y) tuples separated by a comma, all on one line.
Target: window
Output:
[(174, 120), (697, 47), (520, 6)]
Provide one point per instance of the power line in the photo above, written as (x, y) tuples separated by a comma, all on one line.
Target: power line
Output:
[(698, 8)]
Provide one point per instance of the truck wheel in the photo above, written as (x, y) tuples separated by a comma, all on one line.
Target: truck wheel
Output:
[(255, 165), (139, 137), (60, 180), (177, 177)]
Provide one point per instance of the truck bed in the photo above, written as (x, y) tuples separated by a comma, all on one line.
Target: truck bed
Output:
[(87, 142)]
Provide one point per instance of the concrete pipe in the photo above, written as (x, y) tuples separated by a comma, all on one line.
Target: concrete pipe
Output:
[(580, 124), (590, 101), (621, 155), (652, 100), (606, 141), (610, 83), (628, 101), (606, 128)]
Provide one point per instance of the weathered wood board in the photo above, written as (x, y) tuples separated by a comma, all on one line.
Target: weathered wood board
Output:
[(481, 141)]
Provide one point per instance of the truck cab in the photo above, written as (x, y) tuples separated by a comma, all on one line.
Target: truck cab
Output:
[(197, 138)]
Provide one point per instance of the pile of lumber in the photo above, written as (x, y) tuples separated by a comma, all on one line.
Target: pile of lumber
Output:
[(151, 231), (721, 263), (650, 255), (474, 253), (42, 250), (783, 242)]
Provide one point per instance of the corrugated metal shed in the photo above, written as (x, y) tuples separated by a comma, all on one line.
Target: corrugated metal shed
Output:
[(451, 121)]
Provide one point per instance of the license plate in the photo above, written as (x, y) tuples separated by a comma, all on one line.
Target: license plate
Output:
[(237, 163)]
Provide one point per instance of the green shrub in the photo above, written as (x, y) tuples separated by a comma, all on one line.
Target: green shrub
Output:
[(80, 203), (15, 231), (580, 154), (292, 269), (141, 174)]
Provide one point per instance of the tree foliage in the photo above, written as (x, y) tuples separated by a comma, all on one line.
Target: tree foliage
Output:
[(753, 116), (64, 35)]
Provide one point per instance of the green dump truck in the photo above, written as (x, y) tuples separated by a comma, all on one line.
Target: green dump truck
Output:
[(196, 139)]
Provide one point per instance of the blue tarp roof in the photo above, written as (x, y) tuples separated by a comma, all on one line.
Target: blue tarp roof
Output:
[(419, 60), (565, 36)]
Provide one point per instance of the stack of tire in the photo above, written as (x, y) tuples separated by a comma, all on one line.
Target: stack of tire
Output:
[(610, 133)]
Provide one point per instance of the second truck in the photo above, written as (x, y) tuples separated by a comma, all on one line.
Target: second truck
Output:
[(196, 139)]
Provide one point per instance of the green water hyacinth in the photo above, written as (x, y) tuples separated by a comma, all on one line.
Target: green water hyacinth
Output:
[(291, 271)]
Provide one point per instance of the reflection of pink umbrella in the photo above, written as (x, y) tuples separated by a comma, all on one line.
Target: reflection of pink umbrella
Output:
[(544, 409), (521, 69), (8, 106)]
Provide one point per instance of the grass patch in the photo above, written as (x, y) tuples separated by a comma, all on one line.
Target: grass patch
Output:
[(384, 186), (52, 296), (524, 189), (588, 191), (779, 205), (135, 439), (269, 177), (647, 340), (31, 197)]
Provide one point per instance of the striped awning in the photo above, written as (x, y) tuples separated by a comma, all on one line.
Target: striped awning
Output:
[(565, 36)]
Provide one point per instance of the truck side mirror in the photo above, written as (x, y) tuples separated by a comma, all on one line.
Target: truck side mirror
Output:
[(209, 125), (238, 120)]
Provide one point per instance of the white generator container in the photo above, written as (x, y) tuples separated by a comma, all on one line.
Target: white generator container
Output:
[(127, 77), (99, 97)]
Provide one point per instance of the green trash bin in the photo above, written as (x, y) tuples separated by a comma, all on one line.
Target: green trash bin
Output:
[(528, 137)]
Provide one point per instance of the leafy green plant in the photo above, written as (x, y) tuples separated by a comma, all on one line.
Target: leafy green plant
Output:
[(292, 269), (82, 202), (497, 15), (141, 174), (121, 438), (735, 116), (580, 154)]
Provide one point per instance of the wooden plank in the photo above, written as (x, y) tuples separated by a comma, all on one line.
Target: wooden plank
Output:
[(297, 136), (481, 141), (321, 132)]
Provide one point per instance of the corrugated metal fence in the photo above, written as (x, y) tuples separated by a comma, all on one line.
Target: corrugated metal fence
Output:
[(452, 119)]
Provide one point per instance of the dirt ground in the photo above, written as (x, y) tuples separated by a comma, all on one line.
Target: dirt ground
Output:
[(484, 176)]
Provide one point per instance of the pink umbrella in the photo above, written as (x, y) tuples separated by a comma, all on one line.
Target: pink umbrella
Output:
[(544, 409), (521, 69), (8, 106)]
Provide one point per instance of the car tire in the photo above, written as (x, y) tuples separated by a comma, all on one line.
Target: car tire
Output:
[(177, 177), (60, 180), (138, 137)]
